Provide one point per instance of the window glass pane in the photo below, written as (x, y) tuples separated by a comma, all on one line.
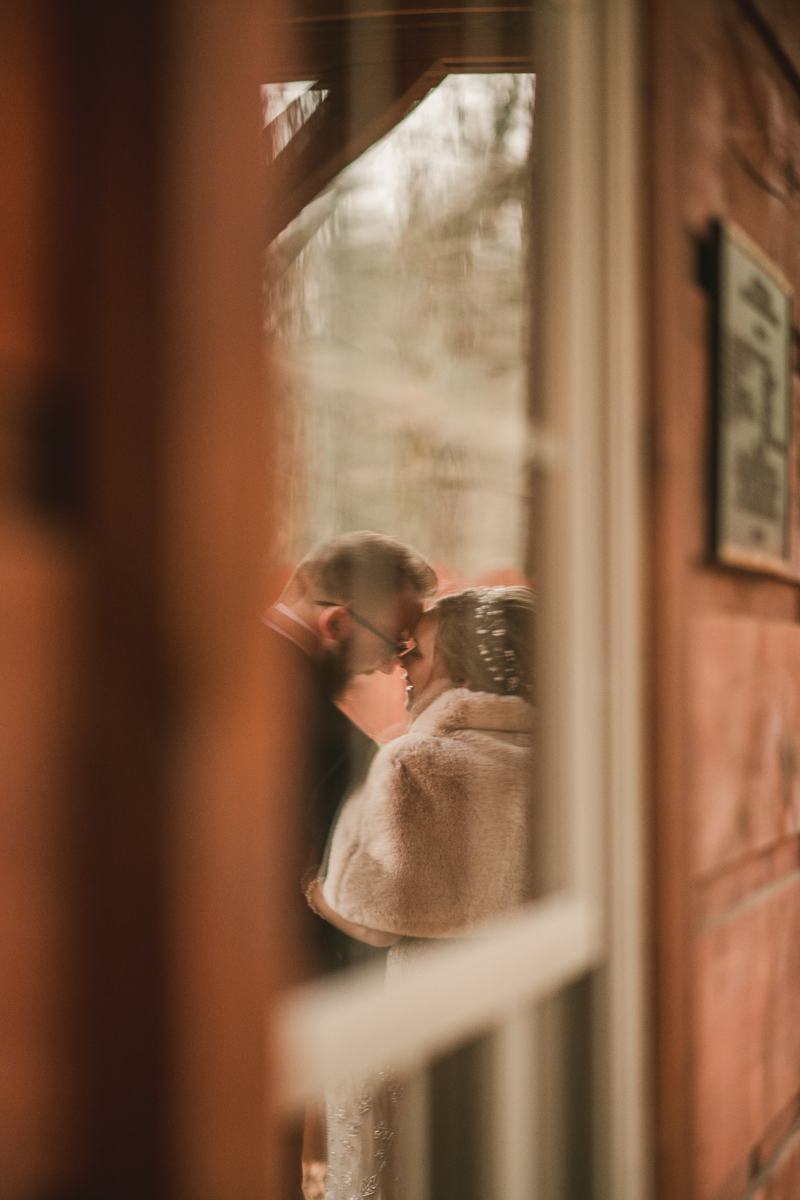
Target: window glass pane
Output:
[(396, 304), (397, 299)]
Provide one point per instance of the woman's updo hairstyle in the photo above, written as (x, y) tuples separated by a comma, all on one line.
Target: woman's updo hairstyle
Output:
[(484, 637)]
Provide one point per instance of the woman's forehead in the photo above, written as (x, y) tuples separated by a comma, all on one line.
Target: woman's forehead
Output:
[(427, 623)]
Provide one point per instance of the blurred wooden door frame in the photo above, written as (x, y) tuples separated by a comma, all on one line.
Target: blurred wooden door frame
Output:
[(147, 833)]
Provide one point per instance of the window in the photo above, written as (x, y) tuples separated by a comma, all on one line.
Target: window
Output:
[(411, 408)]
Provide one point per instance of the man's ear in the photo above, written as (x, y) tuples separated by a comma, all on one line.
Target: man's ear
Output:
[(335, 624)]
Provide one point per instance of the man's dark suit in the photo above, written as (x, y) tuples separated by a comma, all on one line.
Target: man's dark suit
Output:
[(338, 758)]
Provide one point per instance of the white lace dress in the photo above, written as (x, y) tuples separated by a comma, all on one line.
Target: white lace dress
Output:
[(362, 1118), (434, 840)]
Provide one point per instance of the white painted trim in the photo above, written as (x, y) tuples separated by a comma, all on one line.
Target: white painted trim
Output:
[(622, 1149), (351, 1025), (514, 1116), (568, 392), (413, 1139)]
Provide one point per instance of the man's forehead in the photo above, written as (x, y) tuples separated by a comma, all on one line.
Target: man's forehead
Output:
[(403, 609)]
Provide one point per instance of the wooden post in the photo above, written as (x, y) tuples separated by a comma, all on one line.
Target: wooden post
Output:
[(147, 825)]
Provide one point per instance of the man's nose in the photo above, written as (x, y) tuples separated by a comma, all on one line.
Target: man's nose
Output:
[(388, 667)]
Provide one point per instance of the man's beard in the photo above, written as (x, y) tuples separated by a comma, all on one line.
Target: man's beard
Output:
[(334, 671)]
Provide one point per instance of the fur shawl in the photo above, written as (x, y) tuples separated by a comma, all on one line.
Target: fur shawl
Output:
[(435, 839)]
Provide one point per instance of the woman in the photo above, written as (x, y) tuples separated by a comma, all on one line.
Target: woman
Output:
[(436, 839)]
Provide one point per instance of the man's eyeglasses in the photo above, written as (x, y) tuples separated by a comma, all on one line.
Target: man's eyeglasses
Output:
[(398, 648)]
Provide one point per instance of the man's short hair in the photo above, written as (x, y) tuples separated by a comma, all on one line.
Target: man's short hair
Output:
[(362, 567)]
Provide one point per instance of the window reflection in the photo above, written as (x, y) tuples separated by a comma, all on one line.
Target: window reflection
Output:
[(396, 305), (397, 300)]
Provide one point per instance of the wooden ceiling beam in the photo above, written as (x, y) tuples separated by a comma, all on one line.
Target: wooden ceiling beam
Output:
[(323, 43), (362, 105), (375, 65)]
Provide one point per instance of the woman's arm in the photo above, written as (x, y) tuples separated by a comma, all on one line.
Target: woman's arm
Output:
[(373, 937)]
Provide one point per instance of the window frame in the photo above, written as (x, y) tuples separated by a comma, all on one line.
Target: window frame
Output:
[(587, 373)]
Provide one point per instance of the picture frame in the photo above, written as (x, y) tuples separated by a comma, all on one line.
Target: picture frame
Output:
[(754, 398)]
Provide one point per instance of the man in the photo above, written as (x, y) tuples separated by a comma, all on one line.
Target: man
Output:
[(349, 608)]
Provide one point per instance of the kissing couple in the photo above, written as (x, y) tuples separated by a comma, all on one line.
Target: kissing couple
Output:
[(421, 840)]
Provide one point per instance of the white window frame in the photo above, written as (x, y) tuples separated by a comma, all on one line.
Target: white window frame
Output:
[(587, 369)]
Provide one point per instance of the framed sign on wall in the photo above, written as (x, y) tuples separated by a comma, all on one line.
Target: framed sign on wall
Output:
[(754, 405)]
